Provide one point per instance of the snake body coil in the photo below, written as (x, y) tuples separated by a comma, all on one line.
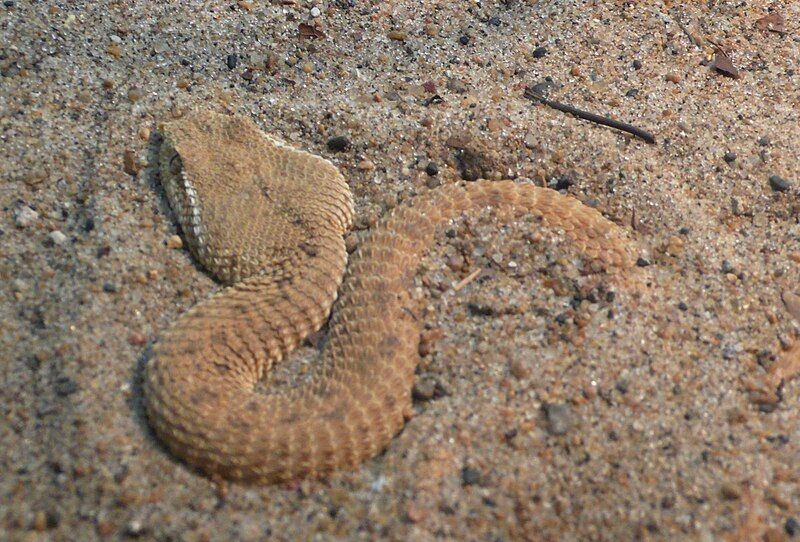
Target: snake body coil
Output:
[(268, 220)]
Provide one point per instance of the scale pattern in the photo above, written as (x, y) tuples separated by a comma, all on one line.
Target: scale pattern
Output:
[(269, 220)]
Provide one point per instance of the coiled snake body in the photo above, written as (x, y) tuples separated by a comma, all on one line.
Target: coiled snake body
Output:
[(269, 220)]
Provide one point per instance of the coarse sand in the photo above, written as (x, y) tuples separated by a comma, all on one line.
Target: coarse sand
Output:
[(551, 403)]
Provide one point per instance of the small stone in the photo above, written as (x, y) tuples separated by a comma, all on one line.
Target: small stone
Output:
[(730, 492), (108, 84), (642, 262), (397, 35), (637, 64), (134, 529), (530, 140), (792, 527), (134, 95), (463, 40), (494, 21), (539, 52), (729, 157), (559, 417), (137, 339), (25, 216), (470, 476), (432, 169), (315, 12), (366, 165), (727, 267), (57, 238), (307, 67), (338, 144), (779, 184), (65, 386), (130, 163), (673, 77), (110, 288), (232, 60), (424, 390), (632, 93), (114, 50), (175, 242), (456, 85), (764, 141)]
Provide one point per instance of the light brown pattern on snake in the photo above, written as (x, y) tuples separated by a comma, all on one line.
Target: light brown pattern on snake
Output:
[(269, 220)]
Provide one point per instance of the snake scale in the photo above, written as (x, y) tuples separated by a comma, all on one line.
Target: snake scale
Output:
[(268, 221)]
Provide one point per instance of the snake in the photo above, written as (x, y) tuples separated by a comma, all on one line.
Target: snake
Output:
[(268, 221)]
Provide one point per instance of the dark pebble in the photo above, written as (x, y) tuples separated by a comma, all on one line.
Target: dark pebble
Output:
[(727, 267), (683, 306), (729, 157), (494, 21), (232, 61), (637, 64), (684, 231), (632, 93), (622, 387), (764, 141), (65, 386), (110, 287), (463, 40), (559, 417), (539, 52), (470, 476), (642, 262), (9, 3), (779, 184), (432, 169), (792, 527), (338, 144)]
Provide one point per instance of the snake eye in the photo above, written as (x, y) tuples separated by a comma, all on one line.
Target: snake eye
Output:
[(175, 164)]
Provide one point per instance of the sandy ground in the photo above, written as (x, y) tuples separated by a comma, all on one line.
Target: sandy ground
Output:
[(547, 407)]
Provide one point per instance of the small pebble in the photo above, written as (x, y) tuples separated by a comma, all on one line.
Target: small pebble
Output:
[(57, 238), (470, 476), (463, 40), (397, 35), (432, 169), (539, 52), (779, 184), (764, 141), (65, 386), (338, 144), (642, 262), (637, 64), (110, 288), (315, 12), (632, 93), (792, 527), (494, 21), (232, 60), (559, 417), (25, 216), (175, 242), (673, 77), (729, 157)]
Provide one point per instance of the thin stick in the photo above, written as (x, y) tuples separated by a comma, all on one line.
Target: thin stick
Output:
[(466, 280), (592, 117)]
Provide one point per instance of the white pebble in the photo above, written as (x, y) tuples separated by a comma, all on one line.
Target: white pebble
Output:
[(25, 216), (57, 237), (315, 12)]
